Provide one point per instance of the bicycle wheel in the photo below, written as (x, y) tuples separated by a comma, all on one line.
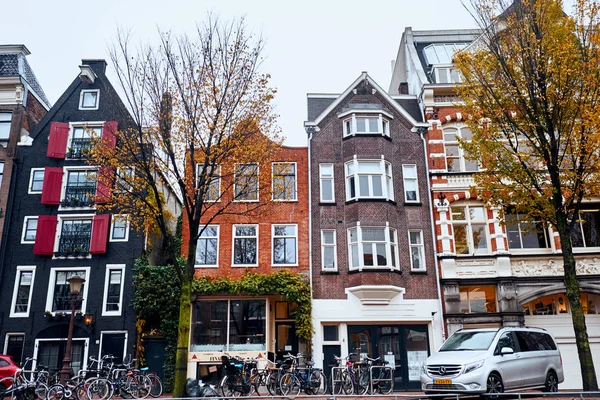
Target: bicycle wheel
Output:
[(362, 381), (157, 386), (99, 389), (347, 385), (41, 390), (57, 392), (231, 386), (258, 381), (5, 385), (317, 383), (289, 385), (138, 386), (272, 383)]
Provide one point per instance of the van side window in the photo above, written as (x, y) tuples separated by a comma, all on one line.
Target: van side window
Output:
[(535, 341), (547, 341), (526, 342), (506, 340)]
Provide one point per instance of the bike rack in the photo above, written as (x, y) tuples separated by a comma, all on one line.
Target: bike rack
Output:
[(381, 373), (338, 375)]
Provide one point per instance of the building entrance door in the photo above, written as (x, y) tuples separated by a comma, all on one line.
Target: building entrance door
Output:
[(404, 347), (286, 339)]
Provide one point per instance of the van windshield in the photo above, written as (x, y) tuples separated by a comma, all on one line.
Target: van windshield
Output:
[(465, 341)]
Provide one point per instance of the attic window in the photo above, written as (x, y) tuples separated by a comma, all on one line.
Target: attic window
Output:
[(442, 53), (366, 125), (89, 99)]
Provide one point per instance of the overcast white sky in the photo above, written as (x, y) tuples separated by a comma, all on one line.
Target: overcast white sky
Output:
[(312, 45)]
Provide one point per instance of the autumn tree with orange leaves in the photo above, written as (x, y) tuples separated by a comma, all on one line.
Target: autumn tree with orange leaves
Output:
[(532, 90), (204, 120)]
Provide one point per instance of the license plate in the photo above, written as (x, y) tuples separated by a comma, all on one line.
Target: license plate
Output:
[(442, 382)]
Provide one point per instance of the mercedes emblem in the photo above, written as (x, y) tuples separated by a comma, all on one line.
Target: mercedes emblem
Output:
[(443, 370)]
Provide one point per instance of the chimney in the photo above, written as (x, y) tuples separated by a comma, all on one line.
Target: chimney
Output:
[(98, 65), (403, 89)]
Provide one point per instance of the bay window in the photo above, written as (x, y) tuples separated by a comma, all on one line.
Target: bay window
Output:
[(372, 247), (366, 179), (229, 325), (469, 224), (373, 124)]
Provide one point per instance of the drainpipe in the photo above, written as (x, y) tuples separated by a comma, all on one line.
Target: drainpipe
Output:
[(310, 131), (422, 131)]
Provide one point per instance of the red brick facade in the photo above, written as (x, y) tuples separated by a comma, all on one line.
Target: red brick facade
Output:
[(272, 212)]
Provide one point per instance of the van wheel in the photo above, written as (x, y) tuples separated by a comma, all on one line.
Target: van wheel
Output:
[(494, 386), (551, 384)]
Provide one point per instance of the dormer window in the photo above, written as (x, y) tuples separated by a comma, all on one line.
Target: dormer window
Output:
[(366, 125), (89, 99)]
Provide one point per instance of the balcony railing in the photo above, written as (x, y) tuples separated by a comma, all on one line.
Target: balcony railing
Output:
[(80, 148), (79, 196), (75, 241)]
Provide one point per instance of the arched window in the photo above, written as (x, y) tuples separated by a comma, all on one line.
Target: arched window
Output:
[(455, 157)]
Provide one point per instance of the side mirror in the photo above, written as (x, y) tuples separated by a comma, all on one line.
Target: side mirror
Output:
[(506, 350)]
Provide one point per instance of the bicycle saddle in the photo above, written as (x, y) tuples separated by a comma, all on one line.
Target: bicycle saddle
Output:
[(310, 363)]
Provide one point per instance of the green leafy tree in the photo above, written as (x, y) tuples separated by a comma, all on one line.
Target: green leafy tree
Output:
[(532, 90), (203, 119)]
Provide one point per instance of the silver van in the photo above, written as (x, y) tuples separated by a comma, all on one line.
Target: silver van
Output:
[(493, 361)]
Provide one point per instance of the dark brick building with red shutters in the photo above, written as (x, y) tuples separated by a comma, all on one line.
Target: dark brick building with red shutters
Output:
[(375, 286), (56, 232)]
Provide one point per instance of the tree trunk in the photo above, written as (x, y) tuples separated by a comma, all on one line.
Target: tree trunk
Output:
[(588, 373), (183, 337)]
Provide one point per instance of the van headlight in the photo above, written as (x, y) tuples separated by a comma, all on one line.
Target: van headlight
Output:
[(424, 367), (474, 366)]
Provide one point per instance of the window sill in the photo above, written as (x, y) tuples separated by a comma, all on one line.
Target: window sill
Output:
[(412, 204), (418, 271), (244, 201), (369, 134), (327, 203), (284, 201), (371, 200), (326, 272), (206, 266), (284, 265), (374, 269), (244, 266)]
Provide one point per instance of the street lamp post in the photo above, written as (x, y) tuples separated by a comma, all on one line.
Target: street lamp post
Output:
[(75, 283)]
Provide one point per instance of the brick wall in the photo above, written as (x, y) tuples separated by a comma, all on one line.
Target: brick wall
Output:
[(292, 212), (403, 147)]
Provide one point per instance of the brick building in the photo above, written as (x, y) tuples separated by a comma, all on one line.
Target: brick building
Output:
[(375, 287), (492, 274), (56, 232), (274, 237), (22, 105)]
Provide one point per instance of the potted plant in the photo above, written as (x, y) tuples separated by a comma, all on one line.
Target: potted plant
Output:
[(71, 152), (79, 252)]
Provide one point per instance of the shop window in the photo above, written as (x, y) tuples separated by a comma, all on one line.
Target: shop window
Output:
[(478, 299), (229, 325), (559, 304)]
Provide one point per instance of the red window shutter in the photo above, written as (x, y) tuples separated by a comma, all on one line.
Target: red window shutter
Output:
[(99, 233), (52, 185), (57, 143), (44, 237), (108, 133), (106, 177)]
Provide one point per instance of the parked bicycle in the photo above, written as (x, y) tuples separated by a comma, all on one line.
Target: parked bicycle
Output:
[(240, 377), (309, 379), (25, 379)]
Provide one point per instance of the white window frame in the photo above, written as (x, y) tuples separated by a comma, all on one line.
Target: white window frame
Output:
[(329, 245), (20, 269), (256, 226), (350, 126), (462, 163), (118, 176), (322, 178), (446, 70), (31, 174), (82, 124), (518, 222), (389, 247), (52, 282), (469, 224), (109, 333), (109, 268), (86, 346), (420, 246), (8, 122), (112, 226), (216, 265), (295, 198), (81, 96), (25, 222), (406, 179), (214, 179), (235, 177), (273, 237), (8, 334), (387, 180), (65, 181), (68, 217)]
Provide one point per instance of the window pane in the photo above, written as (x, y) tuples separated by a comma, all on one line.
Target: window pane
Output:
[(416, 257), (247, 326), (381, 254), (354, 249), (330, 333), (415, 238), (453, 164), (329, 257), (458, 213), (373, 234), (377, 185), (364, 185), (410, 171), (471, 166), (373, 125), (591, 226), (89, 99), (466, 133), (209, 325), (361, 125), (479, 239), (452, 150), (245, 231), (369, 167), (285, 230), (460, 239), (328, 237), (368, 254), (326, 169), (477, 214), (327, 190)]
